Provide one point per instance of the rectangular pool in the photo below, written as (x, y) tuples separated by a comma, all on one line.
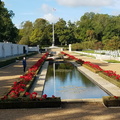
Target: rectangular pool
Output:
[(65, 81)]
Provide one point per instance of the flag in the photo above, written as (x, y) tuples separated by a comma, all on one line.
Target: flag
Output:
[(54, 9)]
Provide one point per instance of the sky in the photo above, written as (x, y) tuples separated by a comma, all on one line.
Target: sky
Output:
[(53, 10)]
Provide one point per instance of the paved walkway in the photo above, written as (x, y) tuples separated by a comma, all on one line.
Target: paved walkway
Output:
[(68, 111)]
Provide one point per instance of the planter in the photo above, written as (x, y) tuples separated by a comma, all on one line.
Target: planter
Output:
[(46, 103), (90, 68), (115, 82), (29, 85), (111, 101)]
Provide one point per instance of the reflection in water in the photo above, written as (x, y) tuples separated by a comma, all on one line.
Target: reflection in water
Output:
[(69, 83), (72, 89)]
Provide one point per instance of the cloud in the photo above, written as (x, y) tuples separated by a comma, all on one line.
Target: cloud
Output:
[(116, 5), (77, 3), (48, 13), (17, 25), (51, 18), (47, 9)]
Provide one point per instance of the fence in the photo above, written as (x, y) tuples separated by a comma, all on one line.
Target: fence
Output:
[(104, 54)]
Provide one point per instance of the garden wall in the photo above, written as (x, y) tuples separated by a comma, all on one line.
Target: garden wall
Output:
[(10, 49)]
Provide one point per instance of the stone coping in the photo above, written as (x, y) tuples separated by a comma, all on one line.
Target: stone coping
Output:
[(40, 80), (82, 100)]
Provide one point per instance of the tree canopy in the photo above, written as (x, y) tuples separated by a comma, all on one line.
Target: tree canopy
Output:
[(92, 31), (8, 31)]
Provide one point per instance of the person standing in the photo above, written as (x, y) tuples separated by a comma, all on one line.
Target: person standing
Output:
[(24, 64)]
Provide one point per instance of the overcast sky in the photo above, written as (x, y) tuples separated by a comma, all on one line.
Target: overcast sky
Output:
[(52, 10)]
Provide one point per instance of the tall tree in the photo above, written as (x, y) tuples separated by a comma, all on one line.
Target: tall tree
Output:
[(112, 44), (83, 25), (61, 31), (40, 34), (91, 31), (71, 29), (8, 31), (25, 32), (100, 23)]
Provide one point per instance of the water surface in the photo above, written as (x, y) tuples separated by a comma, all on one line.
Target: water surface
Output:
[(69, 83)]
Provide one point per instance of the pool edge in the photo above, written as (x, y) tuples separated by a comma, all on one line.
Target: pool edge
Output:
[(82, 100)]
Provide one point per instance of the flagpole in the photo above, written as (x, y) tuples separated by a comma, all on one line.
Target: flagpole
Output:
[(53, 35), (53, 42)]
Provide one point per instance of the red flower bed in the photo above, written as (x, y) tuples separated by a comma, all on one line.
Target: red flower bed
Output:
[(108, 73), (94, 66), (73, 58), (112, 74)]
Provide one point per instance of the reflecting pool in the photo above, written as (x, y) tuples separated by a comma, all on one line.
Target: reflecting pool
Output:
[(65, 81)]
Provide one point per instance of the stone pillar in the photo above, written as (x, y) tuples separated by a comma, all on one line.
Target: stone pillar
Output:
[(38, 48), (69, 47), (61, 49)]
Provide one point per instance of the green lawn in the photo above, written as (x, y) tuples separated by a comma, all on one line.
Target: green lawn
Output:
[(112, 61), (88, 51)]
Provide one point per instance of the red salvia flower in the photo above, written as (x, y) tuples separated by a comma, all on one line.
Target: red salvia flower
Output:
[(53, 96), (34, 95), (41, 99), (115, 97), (27, 93), (4, 98), (21, 90), (44, 96)]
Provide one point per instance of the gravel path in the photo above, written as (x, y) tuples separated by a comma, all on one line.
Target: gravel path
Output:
[(73, 111)]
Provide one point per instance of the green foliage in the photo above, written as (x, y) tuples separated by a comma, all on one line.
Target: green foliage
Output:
[(112, 44), (77, 46), (8, 31), (88, 51), (25, 32), (24, 102), (84, 45), (7, 62), (112, 61), (61, 31), (64, 66), (101, 30), (92, 31), (37, 33)]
